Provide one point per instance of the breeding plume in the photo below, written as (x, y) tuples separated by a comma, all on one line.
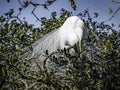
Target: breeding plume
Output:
[(67, 35)]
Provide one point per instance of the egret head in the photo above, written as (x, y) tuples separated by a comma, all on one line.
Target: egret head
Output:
[(71, 31), (73, 22)]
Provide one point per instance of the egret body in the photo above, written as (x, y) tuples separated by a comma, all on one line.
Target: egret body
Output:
[(67, 35)]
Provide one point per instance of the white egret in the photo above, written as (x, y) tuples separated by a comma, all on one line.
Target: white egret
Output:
[(67, 35)]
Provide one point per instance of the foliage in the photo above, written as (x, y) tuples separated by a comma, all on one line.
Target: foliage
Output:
[(96, 67)]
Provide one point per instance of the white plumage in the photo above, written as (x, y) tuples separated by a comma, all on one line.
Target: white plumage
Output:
[(67, 35)]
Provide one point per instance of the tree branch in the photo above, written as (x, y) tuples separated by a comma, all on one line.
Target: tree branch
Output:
[(33, 12), (118, 9), (115, 1)]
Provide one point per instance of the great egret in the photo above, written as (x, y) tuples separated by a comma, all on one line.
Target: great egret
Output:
[(67, 35)]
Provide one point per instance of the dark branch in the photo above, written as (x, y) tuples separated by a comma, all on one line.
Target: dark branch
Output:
[(115, 1), (33, 12), (118, 9), (114, 13), (20, 3)]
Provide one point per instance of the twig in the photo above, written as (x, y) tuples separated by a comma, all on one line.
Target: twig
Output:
[(20, 3), (53, 54), (47, 58), (115, 1), (35, 14), (35, 5), (113, 14)]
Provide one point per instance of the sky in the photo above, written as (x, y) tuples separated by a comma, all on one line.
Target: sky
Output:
[(100, 6)]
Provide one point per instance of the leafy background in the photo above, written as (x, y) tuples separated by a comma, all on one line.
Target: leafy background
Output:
[(96, 67)]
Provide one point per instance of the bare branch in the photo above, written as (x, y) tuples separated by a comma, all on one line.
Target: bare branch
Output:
[(20, 3), (118, 9), (17, 17), (33, 12), (115, 13), (115, 1), (35, 5)]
